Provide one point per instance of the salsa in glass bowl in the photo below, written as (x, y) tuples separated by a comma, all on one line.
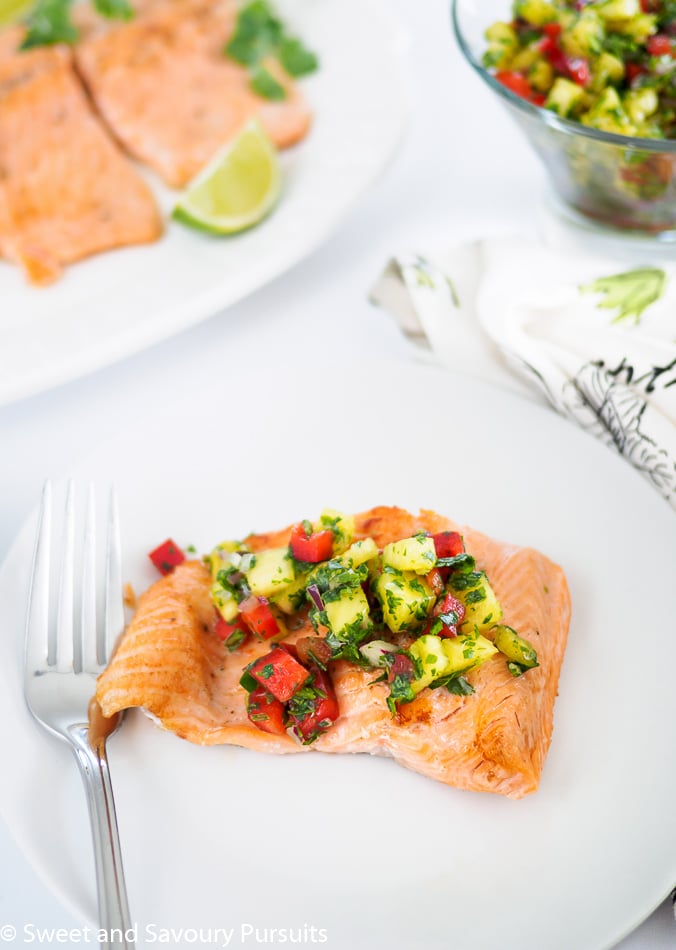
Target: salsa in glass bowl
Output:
[(594, 93)]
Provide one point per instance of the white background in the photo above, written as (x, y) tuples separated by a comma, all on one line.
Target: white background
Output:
[(463, 172)]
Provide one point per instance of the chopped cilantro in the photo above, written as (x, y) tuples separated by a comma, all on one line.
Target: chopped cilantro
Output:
[(114, 9), (258, 37), (49, 22), (460, 686), (257, 33), (476, 596), (461, 562)]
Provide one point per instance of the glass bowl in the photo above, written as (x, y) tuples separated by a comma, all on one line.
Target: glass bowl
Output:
[(619, 181)]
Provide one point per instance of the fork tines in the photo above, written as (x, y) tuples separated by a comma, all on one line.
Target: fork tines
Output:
[(82, 634)]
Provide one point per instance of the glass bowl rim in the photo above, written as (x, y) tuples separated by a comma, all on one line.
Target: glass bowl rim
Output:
[(568, 126)]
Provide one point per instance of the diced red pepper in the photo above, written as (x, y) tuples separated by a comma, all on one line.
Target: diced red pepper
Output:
[(258, 617), (280, 673), (448, 544), (552, 30), (442, 628), (311, 548), (579, 71), (266, 712), (633, 70), (538, 98), (324, 713), (436, 582), (515, 82), (234, 633), (167, 556), (575, 68), (551, 50), (402, 665), (658, 45)]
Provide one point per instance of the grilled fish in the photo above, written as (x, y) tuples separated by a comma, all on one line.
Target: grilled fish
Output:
[(66, 189), (169, 93), (170, 663)]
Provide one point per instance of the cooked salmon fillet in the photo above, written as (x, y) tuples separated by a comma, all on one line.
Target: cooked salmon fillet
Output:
[(66, 189), (169, 93), (170, 663)]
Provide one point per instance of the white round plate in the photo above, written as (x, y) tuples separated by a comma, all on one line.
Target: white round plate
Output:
[(355, 846), (119, 302)]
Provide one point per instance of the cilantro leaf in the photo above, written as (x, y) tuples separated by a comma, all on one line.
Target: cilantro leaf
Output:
[(265, 84), (49, 22), (460, 686), (256, 35), (296, 58), (114, 9)]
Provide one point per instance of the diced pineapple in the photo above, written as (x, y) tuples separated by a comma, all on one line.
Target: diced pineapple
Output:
[(607, 69), (564, 96), (271, 572), (431, 658), (416, 554), (482, 608), (224, 602), (524, 59), (541, 75), (347, 613), (640, 104), (608, 114), (465, 653), (584, 37), (406, 598), (639, 28), (292, 597), (359, 553), (502, 44), (536, 12), (618, 9)]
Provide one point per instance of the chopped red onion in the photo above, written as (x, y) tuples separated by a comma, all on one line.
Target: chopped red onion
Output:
[(315, 596)]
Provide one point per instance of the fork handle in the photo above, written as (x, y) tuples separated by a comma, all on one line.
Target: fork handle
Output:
[(114, 917)]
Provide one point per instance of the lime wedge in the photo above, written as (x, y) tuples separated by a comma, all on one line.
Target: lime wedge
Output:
[(237, 189), (11, 10)]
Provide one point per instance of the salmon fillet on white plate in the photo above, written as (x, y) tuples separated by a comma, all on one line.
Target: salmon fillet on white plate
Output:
[(365, 643), (170, 94), (66, 189)]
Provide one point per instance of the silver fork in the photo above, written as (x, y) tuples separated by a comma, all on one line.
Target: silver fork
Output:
[(65, 650)]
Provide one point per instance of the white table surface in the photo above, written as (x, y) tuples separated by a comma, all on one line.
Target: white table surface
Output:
[(457, 176)]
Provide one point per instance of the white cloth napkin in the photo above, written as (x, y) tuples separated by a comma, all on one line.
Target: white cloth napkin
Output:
[(595, 337)]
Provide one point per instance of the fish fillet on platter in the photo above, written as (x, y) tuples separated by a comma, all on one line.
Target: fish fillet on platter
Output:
[(66, 189), (496, 739), (169, 93)]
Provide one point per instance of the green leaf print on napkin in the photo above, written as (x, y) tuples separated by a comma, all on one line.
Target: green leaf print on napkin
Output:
[(630, 293)]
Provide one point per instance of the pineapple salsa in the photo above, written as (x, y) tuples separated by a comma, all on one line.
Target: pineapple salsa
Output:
[(419, 612), (609, 64)]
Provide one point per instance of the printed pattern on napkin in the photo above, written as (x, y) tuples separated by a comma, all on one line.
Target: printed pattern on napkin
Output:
[(596, 338)]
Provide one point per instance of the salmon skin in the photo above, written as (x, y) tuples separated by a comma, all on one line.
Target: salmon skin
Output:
[(169, 93), (66, 190), (170, 663)]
